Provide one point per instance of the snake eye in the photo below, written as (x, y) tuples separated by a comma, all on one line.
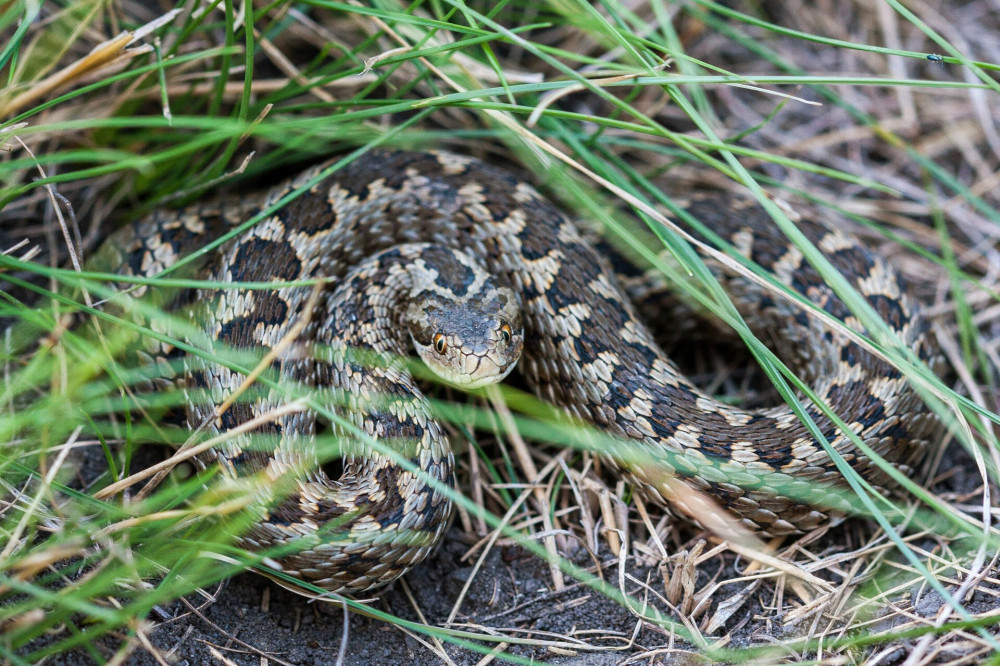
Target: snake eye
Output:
[(506, 332), (439, 343)]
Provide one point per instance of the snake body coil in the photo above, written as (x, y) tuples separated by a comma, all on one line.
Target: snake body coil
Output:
[(585, 350)]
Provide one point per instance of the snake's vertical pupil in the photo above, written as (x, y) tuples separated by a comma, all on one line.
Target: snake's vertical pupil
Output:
[(505, 332), (439, 343)]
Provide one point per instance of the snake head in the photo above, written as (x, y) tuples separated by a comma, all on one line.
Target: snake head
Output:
[(470, 336)]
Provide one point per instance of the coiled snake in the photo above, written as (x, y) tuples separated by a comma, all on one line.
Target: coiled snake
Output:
[(385, 227)]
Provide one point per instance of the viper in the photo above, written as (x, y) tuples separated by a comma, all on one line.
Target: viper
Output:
[(470, 269)]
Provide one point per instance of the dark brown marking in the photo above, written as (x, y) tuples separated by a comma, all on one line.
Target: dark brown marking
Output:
[(262, 260)]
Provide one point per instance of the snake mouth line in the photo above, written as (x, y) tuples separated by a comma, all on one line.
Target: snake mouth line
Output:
[(479, 377)]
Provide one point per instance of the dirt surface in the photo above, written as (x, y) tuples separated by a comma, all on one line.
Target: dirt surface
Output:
[(512, 590), (250, 620)]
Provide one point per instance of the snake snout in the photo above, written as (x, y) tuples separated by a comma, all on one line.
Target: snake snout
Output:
[(470, 336)]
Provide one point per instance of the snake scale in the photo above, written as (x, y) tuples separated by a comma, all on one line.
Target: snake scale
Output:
[(396, 230)]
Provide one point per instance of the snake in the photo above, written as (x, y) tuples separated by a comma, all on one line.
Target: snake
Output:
[(466, 266)]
